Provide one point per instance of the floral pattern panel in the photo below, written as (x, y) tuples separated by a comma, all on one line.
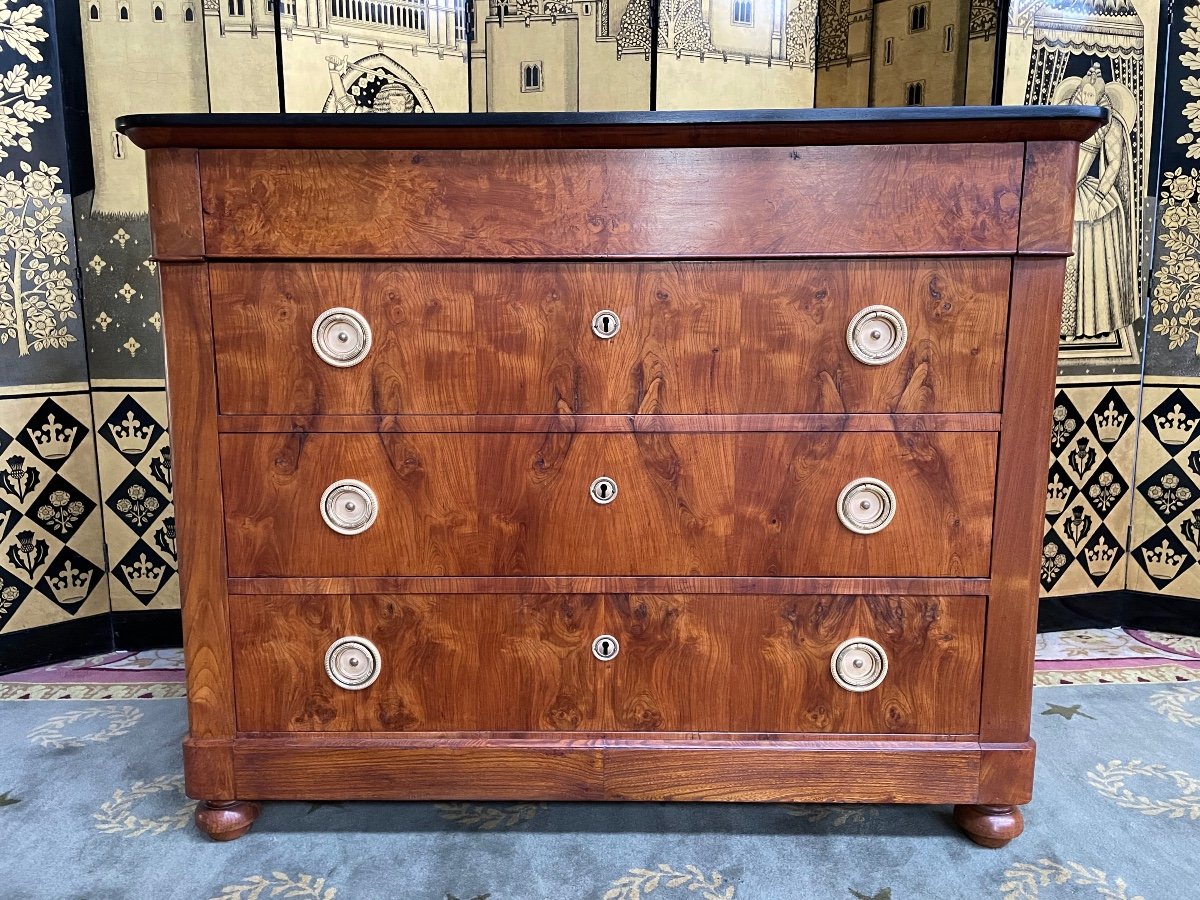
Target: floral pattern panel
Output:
[(51, 536), (1166, 512)]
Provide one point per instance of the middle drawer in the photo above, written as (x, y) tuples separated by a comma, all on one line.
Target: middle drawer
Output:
[(757, 504), (774, 336)]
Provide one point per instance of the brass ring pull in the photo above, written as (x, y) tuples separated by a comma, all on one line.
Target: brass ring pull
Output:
[(876, 335), (341, 337)]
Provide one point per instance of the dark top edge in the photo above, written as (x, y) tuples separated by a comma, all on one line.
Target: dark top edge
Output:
[(779, 127)]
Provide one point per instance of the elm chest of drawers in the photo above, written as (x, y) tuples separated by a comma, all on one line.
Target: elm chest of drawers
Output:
[(639, 457)]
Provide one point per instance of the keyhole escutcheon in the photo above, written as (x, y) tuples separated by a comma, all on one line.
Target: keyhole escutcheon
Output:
[(603, 490), (605, 647), (606, 324)]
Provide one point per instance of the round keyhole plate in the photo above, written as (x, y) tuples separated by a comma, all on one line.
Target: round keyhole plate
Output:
[(352, 663), (603, 490), (606, 324), (605, 647)]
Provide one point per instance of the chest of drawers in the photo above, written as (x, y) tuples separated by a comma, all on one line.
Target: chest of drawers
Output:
[(688, 457)]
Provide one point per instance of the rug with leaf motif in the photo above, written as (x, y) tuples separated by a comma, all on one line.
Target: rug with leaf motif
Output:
[(92, 806)]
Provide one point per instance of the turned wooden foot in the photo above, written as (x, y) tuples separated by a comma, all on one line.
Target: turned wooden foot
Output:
[(226, 820), (990, 826)]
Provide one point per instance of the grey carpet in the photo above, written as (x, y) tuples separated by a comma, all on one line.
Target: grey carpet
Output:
[(91, 806)]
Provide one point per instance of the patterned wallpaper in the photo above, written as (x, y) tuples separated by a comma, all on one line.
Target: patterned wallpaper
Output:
[(51, 538)]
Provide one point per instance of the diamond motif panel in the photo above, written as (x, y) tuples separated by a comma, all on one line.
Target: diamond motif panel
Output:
[(131, 429), (51, 534), (52, 434), (1088, 498), (1166, 514), (62, 508), (69, 579), (139, 520)]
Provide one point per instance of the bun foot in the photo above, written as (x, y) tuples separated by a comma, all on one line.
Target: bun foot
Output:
[(226, 820), (990, 826)]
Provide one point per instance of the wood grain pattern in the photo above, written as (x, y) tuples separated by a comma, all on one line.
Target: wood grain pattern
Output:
[(601, 584), (173, 185), (744, 201), (687, 504), (614, 424), (450, 663), (1048, 197), (200, 533), (695, 338), (687, 663), (332, 767), (1020, 500)]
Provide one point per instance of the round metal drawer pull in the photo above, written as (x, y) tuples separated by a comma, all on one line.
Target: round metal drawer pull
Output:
[(349, 506), (866, 505), (605, 647), (603, 490), (341, 337), (606, 324), (352, 663), (876, 335), (859, 664)]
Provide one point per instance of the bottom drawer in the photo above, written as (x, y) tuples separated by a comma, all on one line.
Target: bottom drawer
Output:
[(702, 662)]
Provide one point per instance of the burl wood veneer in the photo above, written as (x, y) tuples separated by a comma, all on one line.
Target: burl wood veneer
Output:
[(638, 457)]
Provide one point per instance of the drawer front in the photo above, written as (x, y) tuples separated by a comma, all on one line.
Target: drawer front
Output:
[(685, 504), (678, 202), (693, 338), (502, 662)]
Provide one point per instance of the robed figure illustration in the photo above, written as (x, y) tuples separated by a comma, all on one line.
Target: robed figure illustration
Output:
[(1101, 293)]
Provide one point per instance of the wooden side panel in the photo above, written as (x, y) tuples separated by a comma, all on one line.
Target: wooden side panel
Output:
[(450, 663), (174, 191), (1048, 197), (761, 664), (713, 504), (1020, 499), (679, 202), (695, 338), (192, 396)]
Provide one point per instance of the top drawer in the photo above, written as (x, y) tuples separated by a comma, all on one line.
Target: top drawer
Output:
[(712, 202)]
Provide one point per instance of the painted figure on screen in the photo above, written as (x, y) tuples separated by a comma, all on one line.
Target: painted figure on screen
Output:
[(1101, 294)]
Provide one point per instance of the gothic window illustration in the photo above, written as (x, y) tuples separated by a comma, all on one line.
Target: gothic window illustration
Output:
[(409, 15), (948, 40), (887, 52), (237, 7), (158, 12), (743, 12), (918, 17), (189, 14), (375, 83), (914, 93), (94, 13), (531, 76), (123, 12)]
